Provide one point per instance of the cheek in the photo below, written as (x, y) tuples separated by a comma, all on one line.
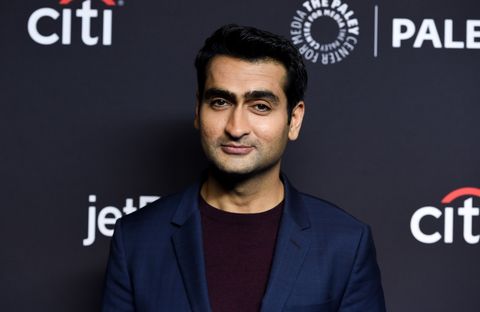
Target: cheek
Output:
[(209, 128), (206, 132), (271, 131)]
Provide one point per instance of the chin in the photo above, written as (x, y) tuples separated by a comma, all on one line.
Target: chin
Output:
[(239, 172), (234, 171)]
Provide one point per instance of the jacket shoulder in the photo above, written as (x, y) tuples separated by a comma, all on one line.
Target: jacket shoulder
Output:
[(322, 211), (154, 216)]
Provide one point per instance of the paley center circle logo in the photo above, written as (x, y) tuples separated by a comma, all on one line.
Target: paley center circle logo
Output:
[(39, 23), (467, 211), (325, 31)]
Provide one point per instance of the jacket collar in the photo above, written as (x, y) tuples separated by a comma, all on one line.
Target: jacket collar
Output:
[(293, 206), (188, 203)]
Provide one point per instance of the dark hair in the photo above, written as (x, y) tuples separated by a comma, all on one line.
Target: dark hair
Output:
[(252, 44)]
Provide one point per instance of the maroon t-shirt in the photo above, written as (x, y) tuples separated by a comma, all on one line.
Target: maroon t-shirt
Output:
[(238, 252)]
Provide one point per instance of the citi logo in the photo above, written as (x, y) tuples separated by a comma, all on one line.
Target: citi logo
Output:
[(467, 212), (86, 17)]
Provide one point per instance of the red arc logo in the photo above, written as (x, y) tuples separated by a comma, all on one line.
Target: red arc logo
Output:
[(464, 191), (107, 2)]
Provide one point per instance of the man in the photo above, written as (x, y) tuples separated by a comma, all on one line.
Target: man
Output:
[(242, 238)]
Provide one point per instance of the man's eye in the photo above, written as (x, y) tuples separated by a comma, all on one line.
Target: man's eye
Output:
[(262, 107), (218, 103)]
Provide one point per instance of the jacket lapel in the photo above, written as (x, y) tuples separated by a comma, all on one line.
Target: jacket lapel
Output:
[(187, 241), (293, 242)]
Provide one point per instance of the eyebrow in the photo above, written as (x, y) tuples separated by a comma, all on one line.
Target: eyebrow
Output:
[(262, 94), (215, 92), (231, 97)]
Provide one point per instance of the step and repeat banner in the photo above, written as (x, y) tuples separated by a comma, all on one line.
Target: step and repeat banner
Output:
[(96, 118)]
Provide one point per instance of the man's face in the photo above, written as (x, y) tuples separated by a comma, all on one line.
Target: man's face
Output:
[(242, 115)]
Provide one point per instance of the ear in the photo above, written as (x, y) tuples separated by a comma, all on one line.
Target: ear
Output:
[(197, 108), (296, 121)]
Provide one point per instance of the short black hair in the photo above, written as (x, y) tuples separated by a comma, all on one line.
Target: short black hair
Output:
[(252, 44)]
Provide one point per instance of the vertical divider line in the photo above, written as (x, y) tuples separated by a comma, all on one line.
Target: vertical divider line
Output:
[(375, 32)]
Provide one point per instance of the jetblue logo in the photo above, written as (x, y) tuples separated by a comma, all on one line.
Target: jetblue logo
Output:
[(103, 219)]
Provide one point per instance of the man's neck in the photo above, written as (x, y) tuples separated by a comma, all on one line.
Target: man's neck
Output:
[(254, 194)]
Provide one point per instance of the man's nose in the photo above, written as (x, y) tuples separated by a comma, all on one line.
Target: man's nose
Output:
[(238, 125)]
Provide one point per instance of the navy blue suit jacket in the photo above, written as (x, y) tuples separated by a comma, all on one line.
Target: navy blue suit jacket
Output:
[(324, 259)]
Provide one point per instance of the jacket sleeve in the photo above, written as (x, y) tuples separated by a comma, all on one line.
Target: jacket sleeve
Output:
[(364, 290), (118, 294)]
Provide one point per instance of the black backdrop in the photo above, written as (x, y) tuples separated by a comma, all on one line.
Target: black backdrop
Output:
[(388, 130)]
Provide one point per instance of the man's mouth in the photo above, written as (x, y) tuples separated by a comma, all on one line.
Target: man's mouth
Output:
[(236, 149)]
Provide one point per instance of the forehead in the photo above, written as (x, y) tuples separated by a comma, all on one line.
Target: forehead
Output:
[(240, 76)]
